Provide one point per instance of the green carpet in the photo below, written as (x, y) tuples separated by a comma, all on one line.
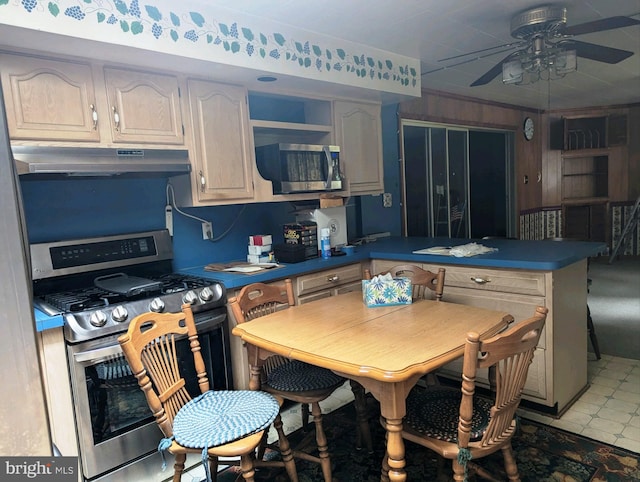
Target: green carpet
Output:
[(543, 454)]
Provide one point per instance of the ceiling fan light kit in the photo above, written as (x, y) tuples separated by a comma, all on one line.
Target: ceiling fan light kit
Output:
[(545, 56), (553, 63)]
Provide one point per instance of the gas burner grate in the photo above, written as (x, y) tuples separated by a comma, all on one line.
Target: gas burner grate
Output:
[(84, 299), (80, 300), (175, 282)]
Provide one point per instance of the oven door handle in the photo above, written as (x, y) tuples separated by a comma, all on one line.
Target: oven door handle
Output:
[(97, 354)]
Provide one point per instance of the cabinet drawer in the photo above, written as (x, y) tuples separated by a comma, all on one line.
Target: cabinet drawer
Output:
[(512, 281), (328, 278)]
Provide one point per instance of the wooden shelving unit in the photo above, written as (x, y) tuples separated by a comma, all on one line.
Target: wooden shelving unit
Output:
[(586, 143), (288, 119), (585, 177)]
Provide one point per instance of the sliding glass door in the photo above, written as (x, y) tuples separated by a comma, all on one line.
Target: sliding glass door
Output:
[(457, 181)]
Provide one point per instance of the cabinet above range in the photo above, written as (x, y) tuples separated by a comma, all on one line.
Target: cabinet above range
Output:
[(51, 99), (228, 173)]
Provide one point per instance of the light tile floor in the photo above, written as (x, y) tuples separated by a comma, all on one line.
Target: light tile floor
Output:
[(609, 411)]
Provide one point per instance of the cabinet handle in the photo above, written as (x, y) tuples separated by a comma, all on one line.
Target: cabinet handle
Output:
[(94, 116), (116, 118), (333, 278), (203, 181), (480, 281)]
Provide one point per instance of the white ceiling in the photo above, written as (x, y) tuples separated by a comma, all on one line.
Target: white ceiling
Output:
[(436, 29)]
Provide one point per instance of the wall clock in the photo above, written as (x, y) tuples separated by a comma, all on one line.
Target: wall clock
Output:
[(528, 128)]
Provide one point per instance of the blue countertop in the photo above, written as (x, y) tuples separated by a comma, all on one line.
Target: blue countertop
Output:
[(512, 254), (515, 254), (46, 322)]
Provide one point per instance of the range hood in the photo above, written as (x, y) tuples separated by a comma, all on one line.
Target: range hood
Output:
[(99, 161)]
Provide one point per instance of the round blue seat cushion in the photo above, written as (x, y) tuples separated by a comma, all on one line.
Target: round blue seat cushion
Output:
[(297, 376), (219, 417), (435, 413)]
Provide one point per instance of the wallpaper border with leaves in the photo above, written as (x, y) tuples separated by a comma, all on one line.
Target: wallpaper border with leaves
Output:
[(309, 57)]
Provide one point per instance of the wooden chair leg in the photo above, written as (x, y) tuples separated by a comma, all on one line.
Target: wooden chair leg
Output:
[(363, 431), (510, 466), (178, 467), (305, 416), (285, 450), (262, 447), (458, 471), (480, 472), (213, 468), (321, 440), (246, 466)]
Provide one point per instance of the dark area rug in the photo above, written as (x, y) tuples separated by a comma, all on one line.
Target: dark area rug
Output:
[(543, 454)]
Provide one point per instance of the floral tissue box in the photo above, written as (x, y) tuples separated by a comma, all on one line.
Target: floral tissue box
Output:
[(383, 290)]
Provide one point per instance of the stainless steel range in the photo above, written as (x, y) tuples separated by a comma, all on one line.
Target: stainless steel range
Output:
[(98, 285)]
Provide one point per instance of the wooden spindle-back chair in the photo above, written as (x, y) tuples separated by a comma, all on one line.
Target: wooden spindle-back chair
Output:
[(482, 426), (150, 346)]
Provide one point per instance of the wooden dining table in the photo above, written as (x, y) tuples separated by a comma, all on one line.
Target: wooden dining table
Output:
[(386, 349)]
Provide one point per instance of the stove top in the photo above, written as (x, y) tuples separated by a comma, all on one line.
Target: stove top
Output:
[(99, 284), (82, 299)]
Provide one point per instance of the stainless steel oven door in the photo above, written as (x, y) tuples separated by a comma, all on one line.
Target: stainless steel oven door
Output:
[(113, 419)]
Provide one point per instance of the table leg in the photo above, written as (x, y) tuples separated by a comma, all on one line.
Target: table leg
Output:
[(394, 462), (392, 397)]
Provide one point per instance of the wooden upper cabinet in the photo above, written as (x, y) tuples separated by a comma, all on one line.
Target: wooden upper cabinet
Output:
[(143, 107), (49, 99), (68, 101), (358, 131), (222, 165)]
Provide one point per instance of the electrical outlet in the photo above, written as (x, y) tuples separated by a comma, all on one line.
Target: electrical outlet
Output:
[(207, 230), (168, 216), (386, 200)]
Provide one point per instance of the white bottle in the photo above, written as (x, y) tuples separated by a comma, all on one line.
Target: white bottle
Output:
[(325, 243)]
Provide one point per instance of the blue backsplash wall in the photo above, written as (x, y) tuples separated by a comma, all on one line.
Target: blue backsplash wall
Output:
[(237, 221), (77, 208), (83, 207)]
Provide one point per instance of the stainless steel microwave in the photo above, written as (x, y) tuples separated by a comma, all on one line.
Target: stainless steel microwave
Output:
[(296, 168)]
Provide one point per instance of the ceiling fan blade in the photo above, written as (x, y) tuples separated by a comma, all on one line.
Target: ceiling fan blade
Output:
[(600, 53), (601, 25), (491, 73), (510, 45), (466, 61)]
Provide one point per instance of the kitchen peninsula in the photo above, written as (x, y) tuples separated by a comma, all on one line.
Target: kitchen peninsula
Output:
[(517, 277)]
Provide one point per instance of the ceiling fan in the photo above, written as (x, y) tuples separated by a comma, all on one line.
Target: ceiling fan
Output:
[(546, 45)]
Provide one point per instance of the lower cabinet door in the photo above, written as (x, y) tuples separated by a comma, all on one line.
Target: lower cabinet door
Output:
[(520, 307)]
